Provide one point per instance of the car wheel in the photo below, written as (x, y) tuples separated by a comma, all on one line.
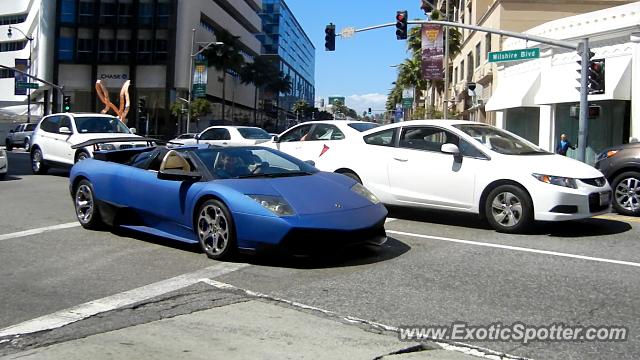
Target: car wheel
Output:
[(626, 193), (508, 209), (82, 155), (215, 229), (352, 175), (26, 144), (86, 208), (37, 162), (2, 176), (8, 145)]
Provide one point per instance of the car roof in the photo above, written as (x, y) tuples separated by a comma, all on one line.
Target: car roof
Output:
[(440, 122), (84, 114)]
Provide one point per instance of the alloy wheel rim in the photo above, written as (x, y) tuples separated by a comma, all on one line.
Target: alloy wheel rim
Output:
[(84, 203), (37, 158), (506, 209), (213, 229), (628, 194)]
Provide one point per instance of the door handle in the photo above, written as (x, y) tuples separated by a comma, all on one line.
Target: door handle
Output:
[(401, 159), (224, 143)]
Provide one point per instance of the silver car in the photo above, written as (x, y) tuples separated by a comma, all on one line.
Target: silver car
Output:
[(20, 136)]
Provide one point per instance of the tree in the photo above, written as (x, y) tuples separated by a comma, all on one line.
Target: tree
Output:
[(199, 107), (259, 73), (300, 107), (225, 57)]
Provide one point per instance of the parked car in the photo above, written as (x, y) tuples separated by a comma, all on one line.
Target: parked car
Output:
[(229, 136), (180, 139), (471, 167), (621, 166), (54, 137), (310, 140), (4, 164), (225, 199), (20, 136)]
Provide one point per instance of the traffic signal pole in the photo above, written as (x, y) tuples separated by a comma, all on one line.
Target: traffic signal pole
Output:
[(581, 47)]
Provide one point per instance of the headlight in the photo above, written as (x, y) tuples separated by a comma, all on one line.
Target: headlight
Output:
[(557, 180), (276, 204), (364, 192), (106, 147)]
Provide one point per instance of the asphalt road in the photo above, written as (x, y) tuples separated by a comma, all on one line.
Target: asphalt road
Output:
[(436, 269)]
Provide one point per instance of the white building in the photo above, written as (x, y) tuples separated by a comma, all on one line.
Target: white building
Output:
[(35, 19), (537, 99)]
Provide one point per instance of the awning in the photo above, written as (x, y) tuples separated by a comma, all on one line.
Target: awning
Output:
[(559, 82), (517, 90)]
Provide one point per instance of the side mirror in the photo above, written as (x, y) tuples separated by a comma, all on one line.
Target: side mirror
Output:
[(133, 130), (449, 148), (276, 138), (311, 162), (64, 130), (178, 175)]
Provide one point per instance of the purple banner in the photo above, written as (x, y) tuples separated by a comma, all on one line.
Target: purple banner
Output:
[(432, 52), (21, 64)]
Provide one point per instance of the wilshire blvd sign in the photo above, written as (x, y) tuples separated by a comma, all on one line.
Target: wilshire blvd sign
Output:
[(514, 55)]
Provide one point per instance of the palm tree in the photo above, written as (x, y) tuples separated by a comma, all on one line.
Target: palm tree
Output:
[(257, 73), (225, 57), (300, 107)]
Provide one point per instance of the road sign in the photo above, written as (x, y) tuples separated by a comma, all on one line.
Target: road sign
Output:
[(407, 102), (514, 55), (26, 85), (347, 32), (333, 99)]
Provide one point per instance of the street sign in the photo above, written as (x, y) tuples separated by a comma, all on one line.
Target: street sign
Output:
[(26, 85), (347, 32), (514, 55), (407, 102), (333, 99)]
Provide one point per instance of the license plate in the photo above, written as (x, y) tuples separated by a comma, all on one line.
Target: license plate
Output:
[(605, 198)]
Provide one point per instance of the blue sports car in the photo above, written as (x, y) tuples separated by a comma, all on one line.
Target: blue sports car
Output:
[(227, 199)]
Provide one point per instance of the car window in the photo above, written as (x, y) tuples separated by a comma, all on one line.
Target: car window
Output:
[(100, 124), (50, 124), (186, 136), (65, 122), (216, 134), (426, 138), (466, 149), (500, 141), (253, 133), (17, 129), (382, 138), (326, 132), (295, 134), (30, 127), (363, 126)]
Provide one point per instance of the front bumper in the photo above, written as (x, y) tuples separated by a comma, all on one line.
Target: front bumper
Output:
[(556, 203)]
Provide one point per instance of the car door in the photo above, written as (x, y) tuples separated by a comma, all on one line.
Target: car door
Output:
[(47, 137), (61, 144), (216, 136), (18, 135), (420, 174), (293, 141)]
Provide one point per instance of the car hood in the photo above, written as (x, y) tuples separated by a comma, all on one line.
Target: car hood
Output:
[(554, 165), (309, 194)]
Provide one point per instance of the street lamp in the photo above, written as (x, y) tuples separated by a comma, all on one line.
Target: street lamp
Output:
[(9, 34), (191, 61)]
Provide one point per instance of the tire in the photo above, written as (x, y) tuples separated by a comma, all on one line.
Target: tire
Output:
[(37, 162), (8, 145), (215, 230), (82, 155), (26, 144), (509, 209), (352, 175), (626, 193), (3, 175), (84, 202)]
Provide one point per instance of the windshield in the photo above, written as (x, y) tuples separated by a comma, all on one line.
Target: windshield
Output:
[(230, 163), (364, 126), (254, 133), (500, 141), (101, 124)]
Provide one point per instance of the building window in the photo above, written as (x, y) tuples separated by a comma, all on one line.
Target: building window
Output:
[(145, 12), (68, 11), (12, 46), (86, 12), (469, 66), (66, 44), (85, 45), (478, 54), (125, 12), (106, 46), (6, 74), (123, 46), (164, 9), (455, 75), (461, 70), (13, 19), (487, 45), (145, 46), (162, 46)]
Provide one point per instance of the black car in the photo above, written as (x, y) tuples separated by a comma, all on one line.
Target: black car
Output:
[(621, 166)]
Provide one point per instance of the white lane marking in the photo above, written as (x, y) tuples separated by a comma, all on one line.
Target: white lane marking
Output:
[(390, 220), (38, 230), (83, 311), (451, 346), (517, 248)]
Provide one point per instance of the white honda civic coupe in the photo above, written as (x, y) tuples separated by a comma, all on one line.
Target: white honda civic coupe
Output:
[(471, 167)]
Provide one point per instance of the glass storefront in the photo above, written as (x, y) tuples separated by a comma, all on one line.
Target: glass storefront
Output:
[(524, 122)]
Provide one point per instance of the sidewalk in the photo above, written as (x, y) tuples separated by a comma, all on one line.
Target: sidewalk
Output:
[(252, 329)]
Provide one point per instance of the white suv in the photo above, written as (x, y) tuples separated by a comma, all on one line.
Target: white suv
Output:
[(20, 136), (53, 138)]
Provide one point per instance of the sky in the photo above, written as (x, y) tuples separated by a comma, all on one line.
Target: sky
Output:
[(360, 67)]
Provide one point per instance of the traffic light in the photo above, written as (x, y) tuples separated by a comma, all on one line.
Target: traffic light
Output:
[(66, 103), (401, 25), (330, 37), (596, 76), (369, 110)]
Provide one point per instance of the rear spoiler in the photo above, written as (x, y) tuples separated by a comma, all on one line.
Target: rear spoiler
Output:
[(95, 142)]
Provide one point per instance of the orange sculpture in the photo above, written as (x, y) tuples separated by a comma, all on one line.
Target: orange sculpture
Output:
[(123, 109)]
